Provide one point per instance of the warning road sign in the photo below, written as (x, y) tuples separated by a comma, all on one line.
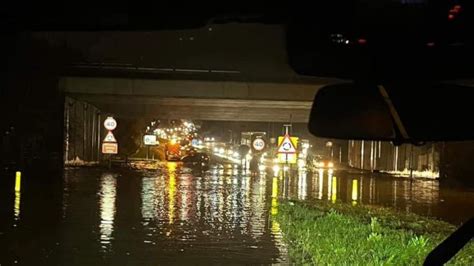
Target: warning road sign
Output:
[(287, 145), (110, 137)]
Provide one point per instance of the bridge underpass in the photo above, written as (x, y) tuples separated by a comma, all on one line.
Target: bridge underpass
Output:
[(200, 109), (198, 100)]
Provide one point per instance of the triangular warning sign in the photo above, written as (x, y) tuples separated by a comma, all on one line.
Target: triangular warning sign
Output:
[(287, 145), (110, 137)]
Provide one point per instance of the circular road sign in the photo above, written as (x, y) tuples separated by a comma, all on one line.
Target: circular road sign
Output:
[(258, 144), (110, 123)]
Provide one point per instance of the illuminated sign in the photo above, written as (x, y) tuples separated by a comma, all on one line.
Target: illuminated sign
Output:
[(109, 148), (110, 123), (287, 144), (110, 137), (150, 140), (258, 144)]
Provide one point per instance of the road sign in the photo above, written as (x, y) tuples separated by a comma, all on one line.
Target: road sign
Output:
[(258, 144), (109, 148), (110, 137), (287, 145), (150, 140), (110, 123), (290, 158)]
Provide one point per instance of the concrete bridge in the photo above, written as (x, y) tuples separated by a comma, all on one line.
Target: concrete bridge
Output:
[(195, 99)]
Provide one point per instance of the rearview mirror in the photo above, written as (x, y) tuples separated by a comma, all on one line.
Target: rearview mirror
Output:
[(403, 113), (346, 111)]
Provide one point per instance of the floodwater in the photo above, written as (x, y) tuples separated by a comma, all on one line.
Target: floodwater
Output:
[(421, 196), (177, 216), (147, 217)]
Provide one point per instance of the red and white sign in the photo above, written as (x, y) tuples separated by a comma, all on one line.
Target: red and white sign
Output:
[(110, 137), (287, 145), (109, 148), (110, 123), (258, 144)]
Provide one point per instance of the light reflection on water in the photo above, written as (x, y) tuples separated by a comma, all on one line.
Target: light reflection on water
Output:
[(16, 206), (172, 216), (418, 196), (108, 194), (213, 215)]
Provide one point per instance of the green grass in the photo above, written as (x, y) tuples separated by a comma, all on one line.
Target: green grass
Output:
[(342, 234)]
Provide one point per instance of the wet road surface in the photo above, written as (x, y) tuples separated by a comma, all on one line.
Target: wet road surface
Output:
[(148, 217), (178, 216), (421, 196)]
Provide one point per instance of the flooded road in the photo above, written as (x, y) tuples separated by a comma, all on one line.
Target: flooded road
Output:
[(178, 216), (422, 196), (151, 217)]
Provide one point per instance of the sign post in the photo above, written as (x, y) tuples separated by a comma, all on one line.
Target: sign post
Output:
[(109, 144), (149, 140)]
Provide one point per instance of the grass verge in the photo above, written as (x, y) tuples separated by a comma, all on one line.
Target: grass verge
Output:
[(325, 233)]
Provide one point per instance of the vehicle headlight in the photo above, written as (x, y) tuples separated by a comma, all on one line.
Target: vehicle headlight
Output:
[(330, 164)]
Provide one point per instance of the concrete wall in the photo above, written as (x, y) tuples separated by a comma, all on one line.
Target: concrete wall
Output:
[(83, 131), (378, 155)]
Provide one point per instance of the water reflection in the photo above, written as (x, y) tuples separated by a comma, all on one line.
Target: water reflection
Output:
[(171, 190), (16, 206), (302, 183), (108, 194), (172, 217), (419, 196), (275, 226), (220, 209), (274, 196), (149, 197)]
